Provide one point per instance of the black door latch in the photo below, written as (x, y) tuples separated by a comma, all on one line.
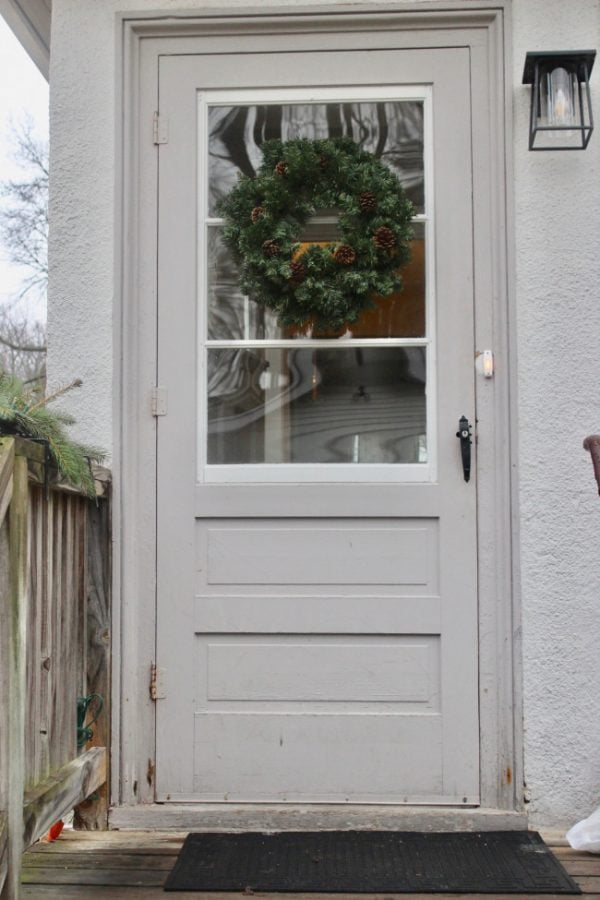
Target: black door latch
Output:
[(464, 435)]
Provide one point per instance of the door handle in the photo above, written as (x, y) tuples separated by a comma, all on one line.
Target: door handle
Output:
[(464, 435)]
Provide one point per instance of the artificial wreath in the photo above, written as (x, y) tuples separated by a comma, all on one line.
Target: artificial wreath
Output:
[(326, 285)]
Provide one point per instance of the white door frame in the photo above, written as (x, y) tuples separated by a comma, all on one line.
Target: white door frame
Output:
[(144, 38)]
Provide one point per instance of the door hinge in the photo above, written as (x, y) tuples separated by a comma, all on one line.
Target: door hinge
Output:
[(157, 686), (159, 402), (160, 129)]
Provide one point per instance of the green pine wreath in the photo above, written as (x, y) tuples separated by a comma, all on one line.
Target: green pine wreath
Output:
[(325, 285)]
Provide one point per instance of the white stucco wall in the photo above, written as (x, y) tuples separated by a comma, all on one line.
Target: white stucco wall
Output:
[(557, 203), (557, 197)]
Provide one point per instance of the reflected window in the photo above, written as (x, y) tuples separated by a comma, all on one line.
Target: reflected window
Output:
[(358, 405)]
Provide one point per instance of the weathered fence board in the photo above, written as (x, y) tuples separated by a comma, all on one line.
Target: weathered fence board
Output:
[(62, 791), (7, 458), (92, 814), (4, 630), (56, 617), (3, 850), (45, 535), (17, 697)]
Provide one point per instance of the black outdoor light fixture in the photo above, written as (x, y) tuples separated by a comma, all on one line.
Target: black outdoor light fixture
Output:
[(561, 108)]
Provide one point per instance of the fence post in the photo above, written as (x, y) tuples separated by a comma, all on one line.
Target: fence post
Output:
[(18, 555)]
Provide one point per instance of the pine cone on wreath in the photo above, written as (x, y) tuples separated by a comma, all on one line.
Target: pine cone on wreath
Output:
[(256, 213), (384, 238), (344, 255), (271, 247), (367, 202), (281, 168), (298, 270)]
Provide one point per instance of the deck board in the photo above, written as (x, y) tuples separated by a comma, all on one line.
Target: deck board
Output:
[(131, 865), (51, 892)]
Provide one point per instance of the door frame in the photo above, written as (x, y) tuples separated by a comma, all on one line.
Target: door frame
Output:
[(142, 39)]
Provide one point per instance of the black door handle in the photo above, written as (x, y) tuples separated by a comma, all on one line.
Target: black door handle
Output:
[(464, 435)]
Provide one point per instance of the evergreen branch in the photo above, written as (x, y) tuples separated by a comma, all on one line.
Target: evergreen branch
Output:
[(23, 413)]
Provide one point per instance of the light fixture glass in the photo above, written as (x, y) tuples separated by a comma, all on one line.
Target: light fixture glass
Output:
[(561, 109)]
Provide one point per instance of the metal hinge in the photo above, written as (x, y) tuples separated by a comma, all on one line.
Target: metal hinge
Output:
[(157, 687), (160, 129), (159, 402)]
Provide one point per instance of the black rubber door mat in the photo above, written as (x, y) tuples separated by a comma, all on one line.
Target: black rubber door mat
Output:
[(370, 862)]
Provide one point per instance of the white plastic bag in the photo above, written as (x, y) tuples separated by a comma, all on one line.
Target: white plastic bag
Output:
[(586, 834)]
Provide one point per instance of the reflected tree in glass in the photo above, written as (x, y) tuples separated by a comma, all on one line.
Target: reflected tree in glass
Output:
[(392, 131)]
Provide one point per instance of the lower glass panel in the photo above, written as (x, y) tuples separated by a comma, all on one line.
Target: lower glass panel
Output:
[(353, 405)]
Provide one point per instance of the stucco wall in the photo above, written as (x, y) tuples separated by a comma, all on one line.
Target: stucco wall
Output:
[(557, 206), (557, 198)]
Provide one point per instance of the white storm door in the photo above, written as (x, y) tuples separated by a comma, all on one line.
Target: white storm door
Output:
[(316, 543)]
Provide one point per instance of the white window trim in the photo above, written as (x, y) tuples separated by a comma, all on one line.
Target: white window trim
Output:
[(398, 473)]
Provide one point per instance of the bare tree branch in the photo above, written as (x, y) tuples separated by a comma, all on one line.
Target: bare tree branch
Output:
[(23, 348), (24, 238), (24, 210)]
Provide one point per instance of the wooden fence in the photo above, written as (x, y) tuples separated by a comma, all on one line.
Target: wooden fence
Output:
[(54, 593)]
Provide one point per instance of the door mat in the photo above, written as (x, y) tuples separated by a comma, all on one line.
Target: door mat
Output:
[(507, 862)]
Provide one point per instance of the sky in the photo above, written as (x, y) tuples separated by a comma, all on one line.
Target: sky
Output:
[(23, 92)]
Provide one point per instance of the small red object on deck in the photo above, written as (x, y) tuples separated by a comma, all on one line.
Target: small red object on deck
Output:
[(54, 831)]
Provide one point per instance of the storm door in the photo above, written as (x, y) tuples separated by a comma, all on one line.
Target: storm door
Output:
[(317, 597)]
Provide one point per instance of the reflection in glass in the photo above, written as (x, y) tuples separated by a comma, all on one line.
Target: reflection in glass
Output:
[(393, 131), (231, 316), (351, 405)]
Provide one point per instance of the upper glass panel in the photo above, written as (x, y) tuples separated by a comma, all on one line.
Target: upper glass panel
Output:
[(391, 130)]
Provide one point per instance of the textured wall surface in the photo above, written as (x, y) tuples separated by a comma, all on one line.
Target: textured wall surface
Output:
[(557, 240), (557, 199)]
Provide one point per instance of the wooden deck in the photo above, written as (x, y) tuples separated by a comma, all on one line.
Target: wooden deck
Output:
[(131, 865)]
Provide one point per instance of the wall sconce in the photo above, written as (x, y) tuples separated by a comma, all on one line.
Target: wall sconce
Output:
[(561, 108)]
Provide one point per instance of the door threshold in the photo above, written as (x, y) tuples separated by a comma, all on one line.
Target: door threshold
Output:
[(234, 817)]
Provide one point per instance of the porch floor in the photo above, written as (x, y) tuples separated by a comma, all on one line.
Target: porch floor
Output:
[(130, 865)]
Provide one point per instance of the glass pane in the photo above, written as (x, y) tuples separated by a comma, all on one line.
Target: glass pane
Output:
[(351, 405), (231, 316), (393, 131)]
